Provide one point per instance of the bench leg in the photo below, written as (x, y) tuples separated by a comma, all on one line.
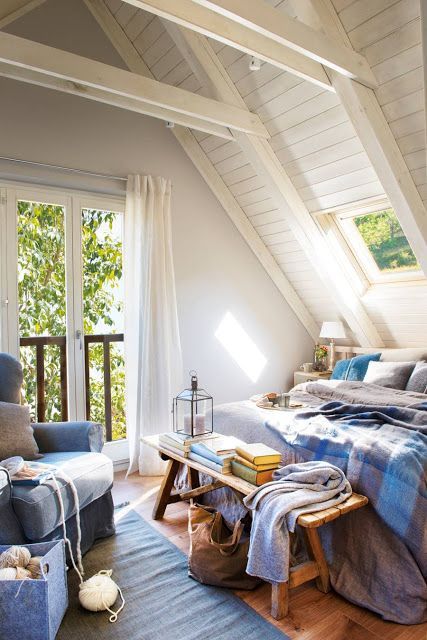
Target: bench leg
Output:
[(314, 548), (163, 497), (279, 600), (193, 477)]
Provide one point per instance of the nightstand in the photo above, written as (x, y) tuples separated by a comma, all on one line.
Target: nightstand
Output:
[(313, 376)]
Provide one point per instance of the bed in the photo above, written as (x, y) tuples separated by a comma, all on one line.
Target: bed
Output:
[(378, 435)]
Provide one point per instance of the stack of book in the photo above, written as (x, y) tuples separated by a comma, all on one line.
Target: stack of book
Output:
[(255, 463), (216, 453), (210, 449), (180, 442)]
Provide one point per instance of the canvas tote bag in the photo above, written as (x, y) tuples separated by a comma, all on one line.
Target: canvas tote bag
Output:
[(217, 555)]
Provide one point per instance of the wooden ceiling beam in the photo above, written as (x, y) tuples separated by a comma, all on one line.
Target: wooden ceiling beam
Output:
[(211, 73), (260, 17), (373, 130), (204, 166), (124, 86), (11, 10), (187, 14)]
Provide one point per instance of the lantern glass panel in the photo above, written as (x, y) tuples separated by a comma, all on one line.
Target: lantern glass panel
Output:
[(193, 412)]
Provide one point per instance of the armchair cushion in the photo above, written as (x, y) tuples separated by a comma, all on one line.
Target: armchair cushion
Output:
[(38, 508), (11, 378), (16, 433), (69, 436)]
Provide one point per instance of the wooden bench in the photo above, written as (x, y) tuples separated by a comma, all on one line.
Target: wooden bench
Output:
[(315, 568)]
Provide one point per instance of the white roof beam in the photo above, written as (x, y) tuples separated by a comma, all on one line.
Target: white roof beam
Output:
[(203, 60), (188, 14), (260, 17), (11, 10), (379, 143), (206, 169), (190, 108)]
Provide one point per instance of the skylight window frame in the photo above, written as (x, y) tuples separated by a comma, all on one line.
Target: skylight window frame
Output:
[(362, 256)]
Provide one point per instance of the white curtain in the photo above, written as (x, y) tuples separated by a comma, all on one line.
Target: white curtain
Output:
[(153, 362)]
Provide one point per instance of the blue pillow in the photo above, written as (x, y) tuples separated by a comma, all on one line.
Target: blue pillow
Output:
[(340, 370), (353, 368), (359, 365)]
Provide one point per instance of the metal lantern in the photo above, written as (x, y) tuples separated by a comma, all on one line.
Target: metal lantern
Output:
[(193, 410)]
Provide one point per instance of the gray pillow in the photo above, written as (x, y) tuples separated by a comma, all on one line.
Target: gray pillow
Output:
[(16, 433), (418, 380), (394, 375)]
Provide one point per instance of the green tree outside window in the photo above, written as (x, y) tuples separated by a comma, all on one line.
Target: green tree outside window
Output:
[(42, 301)]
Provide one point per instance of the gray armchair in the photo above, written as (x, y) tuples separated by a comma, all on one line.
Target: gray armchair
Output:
[(32, 514)]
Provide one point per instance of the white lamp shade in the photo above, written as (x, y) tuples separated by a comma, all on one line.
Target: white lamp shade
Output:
[(333, 330)]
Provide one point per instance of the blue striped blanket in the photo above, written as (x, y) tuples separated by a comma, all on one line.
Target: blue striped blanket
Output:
[(383, 452)]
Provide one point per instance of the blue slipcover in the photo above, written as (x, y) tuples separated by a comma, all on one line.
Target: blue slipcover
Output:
[(38, 507), (32, 514)]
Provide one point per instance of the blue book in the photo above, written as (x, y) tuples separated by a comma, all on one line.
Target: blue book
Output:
[(208, 463), (206, 452)]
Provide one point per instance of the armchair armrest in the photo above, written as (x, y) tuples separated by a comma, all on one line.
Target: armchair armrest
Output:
[(68, 436), (10, 529)]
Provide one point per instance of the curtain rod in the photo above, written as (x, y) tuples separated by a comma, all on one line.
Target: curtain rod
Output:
[(59, 168)]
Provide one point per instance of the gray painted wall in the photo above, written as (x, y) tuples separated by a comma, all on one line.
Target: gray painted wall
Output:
[(216, 272)]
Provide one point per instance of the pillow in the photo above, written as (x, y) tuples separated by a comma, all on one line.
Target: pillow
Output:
[(418, 380), (340, 370), (16, 433), (394, 375), (359, 365)]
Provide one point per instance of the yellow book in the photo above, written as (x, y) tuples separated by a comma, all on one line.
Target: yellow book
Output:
[(258, 453), (257, 467)]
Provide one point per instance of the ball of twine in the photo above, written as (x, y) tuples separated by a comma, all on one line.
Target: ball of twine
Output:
[(35, 567), (98, 593), (9, 573), (22, 574), (15, 557)]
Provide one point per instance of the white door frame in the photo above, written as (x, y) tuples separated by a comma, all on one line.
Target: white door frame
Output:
[(73, 202)]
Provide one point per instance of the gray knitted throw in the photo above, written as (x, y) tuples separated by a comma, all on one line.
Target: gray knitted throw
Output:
[(296, 489)]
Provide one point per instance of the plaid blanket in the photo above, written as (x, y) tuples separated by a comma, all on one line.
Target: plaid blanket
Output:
[(383, 452)]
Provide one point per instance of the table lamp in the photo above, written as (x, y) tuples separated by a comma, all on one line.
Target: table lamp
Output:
[(332, 331)]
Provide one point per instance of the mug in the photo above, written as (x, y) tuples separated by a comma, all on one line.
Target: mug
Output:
[(307, 367), (284, 399)]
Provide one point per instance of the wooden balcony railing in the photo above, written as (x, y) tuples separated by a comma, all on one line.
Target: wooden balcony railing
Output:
[(105, 340), (40, 342)]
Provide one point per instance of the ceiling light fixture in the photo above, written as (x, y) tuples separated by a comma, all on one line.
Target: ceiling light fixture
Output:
[(254, 64)]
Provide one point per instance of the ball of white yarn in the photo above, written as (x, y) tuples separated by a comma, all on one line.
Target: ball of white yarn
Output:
[(15, 557), (98, 593), (9, 573)]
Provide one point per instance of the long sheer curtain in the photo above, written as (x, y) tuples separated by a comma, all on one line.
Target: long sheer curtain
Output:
[(153, 362)]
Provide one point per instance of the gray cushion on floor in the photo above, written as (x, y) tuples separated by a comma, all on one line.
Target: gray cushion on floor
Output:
[(38, 508), (418, 380)]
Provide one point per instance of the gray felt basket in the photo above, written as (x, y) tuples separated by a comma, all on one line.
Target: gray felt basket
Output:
[(33, 609)]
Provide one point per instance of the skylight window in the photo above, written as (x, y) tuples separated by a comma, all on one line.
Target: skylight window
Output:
[(380, 245)]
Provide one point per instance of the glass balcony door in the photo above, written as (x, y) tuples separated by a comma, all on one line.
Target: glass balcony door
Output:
[(62, 304)]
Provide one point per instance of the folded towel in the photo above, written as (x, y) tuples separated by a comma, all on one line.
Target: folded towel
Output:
[(296, 489)]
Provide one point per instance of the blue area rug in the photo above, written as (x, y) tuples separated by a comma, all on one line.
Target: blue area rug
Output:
[(162, 602)]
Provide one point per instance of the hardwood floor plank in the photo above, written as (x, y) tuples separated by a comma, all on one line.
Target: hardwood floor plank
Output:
[(312, 615)]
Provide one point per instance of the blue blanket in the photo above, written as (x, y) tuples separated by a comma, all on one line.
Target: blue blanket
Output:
[(383, 452)]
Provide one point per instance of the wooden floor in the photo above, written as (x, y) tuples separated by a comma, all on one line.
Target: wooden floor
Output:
[(312, 615)]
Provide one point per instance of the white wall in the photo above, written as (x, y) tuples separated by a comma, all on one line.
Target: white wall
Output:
[(215, 270)]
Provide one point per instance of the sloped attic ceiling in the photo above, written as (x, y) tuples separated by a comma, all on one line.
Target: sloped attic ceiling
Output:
[(315, 154), (315, 141)]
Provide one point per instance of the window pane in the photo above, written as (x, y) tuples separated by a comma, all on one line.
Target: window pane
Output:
[(386, 241), (42, 308), (103, 319)]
